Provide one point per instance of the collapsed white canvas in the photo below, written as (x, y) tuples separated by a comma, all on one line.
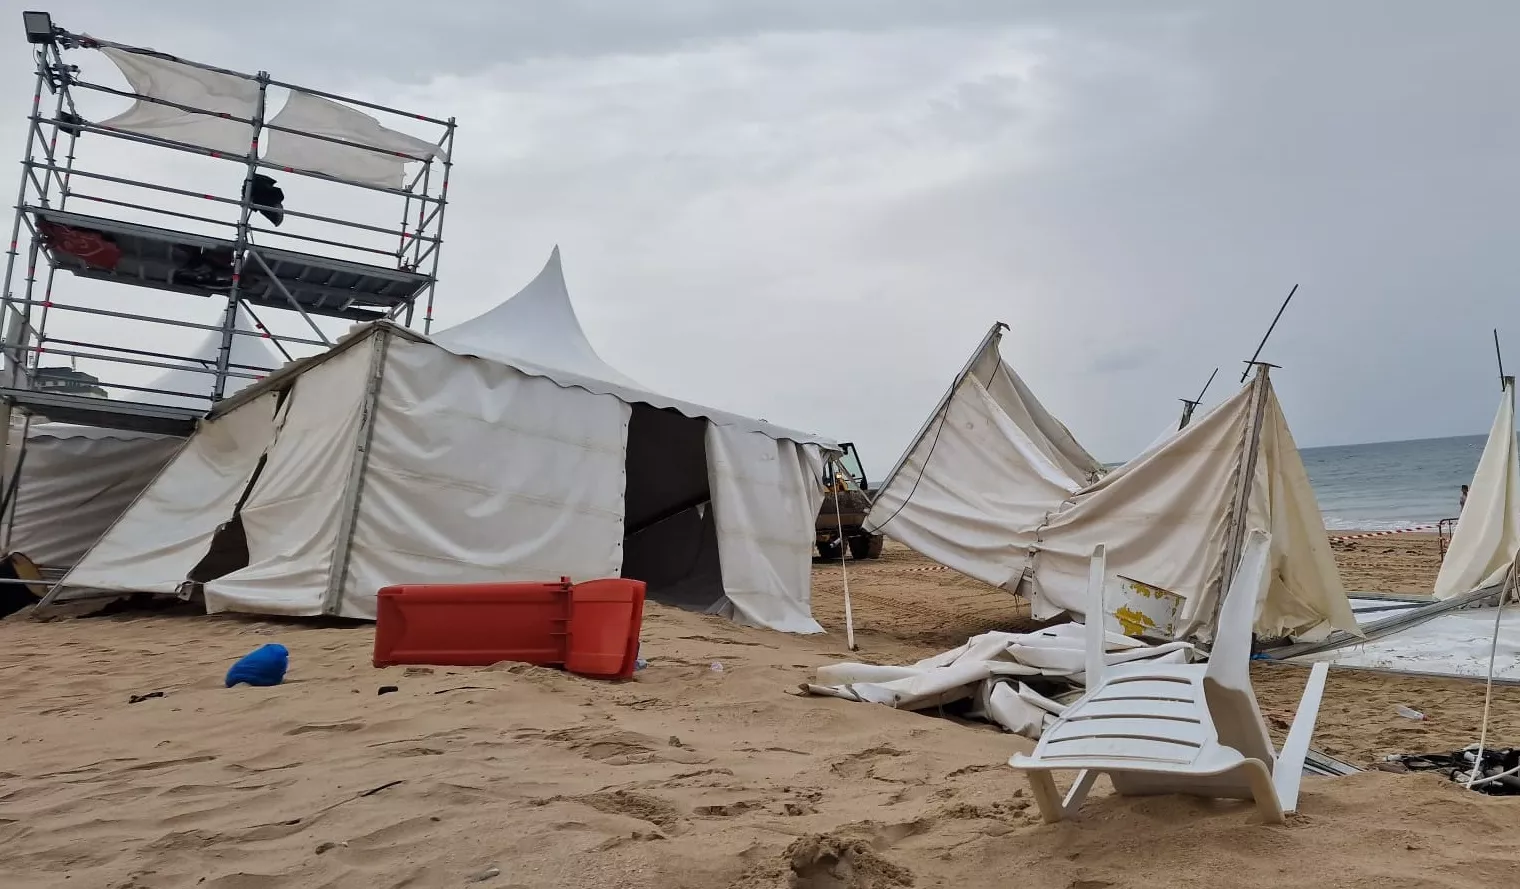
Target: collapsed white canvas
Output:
[(293, 513), (980, 492), (166, 532), (1487, 537)]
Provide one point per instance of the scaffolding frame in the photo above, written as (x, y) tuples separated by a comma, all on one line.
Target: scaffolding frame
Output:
[(369, 283), (54, 185)]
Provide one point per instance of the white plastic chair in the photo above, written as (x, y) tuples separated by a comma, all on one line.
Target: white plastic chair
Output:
[(1179, 728)]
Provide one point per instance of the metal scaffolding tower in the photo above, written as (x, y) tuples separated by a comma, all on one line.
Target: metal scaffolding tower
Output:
[(135, 224)]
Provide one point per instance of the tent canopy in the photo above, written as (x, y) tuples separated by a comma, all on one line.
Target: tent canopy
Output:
[(996, 488), (392, 458), (1487, 537), (538, 333)]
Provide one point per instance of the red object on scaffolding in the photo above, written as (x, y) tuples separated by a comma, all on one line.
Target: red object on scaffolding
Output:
[(591, 629)]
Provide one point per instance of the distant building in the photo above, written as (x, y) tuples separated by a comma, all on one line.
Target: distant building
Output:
[(67, 381)]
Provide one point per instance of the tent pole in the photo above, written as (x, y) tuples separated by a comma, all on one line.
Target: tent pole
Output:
[(1236, 535), (1189, 406), (1271, 327), (849, 613), (992, 337), (333, 601), (1499, 355)]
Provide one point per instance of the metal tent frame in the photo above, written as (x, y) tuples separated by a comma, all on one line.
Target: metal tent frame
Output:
[(328, 272)]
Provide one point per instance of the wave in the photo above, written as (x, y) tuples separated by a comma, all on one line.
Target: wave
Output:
[(1334, 523)]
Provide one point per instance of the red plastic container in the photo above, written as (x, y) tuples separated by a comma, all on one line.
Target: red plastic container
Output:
[(589, 628)]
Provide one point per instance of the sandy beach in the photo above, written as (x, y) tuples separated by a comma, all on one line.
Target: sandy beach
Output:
[(685, 777)]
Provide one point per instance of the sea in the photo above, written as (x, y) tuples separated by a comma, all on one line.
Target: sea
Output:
[(1391, 485)]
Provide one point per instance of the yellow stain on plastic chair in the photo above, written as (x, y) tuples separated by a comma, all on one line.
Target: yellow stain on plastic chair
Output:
[(1132, 622)]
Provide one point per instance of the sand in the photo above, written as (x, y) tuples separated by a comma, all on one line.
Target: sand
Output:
[(686, 777)]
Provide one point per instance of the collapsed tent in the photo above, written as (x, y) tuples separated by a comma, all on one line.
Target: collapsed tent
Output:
[(75, 481), (1487, 537), (503, 449), (996, 488)]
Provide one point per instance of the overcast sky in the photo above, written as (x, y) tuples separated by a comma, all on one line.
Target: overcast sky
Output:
[(812, 211)]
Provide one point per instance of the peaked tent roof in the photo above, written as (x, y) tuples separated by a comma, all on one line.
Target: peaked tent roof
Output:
[(247, 352), (981, 492), (537, 332), (1488, 532)]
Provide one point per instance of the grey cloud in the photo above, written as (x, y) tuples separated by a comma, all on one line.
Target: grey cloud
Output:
[(812, 211)]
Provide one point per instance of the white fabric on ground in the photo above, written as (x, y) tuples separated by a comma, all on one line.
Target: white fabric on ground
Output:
[(998, 671), (479, 472), (1453, 644), (766, 495), (981, 494), (171, 81), (293, 515), (324, 117), (75, 482), (166, 532), (538, 333), (1488, 531)]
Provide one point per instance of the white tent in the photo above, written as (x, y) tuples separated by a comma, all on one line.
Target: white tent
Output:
[(997, 489), (76, 480), (1488, 532), (503, 449)]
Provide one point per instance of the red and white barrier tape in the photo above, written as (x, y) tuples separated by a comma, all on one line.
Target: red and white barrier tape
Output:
[(1416, 528)]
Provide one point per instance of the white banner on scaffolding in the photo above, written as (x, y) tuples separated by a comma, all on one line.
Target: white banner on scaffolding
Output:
[(321, 117)]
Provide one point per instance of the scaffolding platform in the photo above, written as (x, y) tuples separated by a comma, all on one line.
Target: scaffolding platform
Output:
[(85, 410), (158, 258)]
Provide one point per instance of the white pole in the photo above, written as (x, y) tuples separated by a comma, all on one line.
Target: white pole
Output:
[(849, 613), (1493, 651)]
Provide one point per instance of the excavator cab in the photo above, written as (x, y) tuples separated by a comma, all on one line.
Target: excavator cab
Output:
[(845, 474), (846, 500)]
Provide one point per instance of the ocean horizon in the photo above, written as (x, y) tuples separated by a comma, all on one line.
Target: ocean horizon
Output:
[(1391, 485)]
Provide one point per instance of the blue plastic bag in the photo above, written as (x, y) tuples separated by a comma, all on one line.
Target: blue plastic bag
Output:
[(263, 666)]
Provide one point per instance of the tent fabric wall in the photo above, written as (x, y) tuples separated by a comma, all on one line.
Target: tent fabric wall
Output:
[(1487, 537), (991, 495), (75, 482), (1019, 403), (163, 535), (293, 516), (974, 475), (477, 471), (766, 497)]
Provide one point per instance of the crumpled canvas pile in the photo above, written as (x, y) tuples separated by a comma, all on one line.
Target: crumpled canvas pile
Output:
[(1020, 681)]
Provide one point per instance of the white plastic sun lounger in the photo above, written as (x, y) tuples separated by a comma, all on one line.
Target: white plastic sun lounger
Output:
[(1177, 728)]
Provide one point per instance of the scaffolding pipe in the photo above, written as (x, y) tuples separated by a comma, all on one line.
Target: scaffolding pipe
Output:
[(240, 249)]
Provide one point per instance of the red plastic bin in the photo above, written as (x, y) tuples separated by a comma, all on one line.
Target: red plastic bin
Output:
[(589, 628)]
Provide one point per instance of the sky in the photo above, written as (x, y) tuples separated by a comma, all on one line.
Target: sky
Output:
[(812, 212)]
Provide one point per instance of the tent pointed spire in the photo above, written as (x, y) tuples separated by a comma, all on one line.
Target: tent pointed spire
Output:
[(536, 326)]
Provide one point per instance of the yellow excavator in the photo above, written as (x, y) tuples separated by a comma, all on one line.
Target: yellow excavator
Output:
[(846, 500)]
